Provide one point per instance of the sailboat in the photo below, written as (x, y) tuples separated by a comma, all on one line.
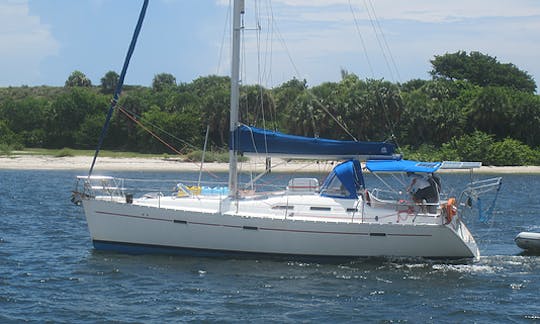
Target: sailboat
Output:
[(340, 218)]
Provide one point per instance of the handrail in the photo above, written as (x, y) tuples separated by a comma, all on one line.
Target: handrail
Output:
[(480, 187), (398, 202), (475, 189), (98, 185)]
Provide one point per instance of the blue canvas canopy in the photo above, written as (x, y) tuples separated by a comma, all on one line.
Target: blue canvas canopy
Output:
[(257, 140), (349, 174), (402, 166)]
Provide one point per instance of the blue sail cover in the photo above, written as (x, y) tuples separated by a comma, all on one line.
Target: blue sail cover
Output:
[(257, 140), (349, 173), (402, 166)]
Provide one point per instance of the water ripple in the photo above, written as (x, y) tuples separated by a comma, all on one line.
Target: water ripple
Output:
[(50, 273)]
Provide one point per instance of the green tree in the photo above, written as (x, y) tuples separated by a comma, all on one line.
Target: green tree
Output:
[(472, 147), (109, 82), (309, 113), (284, 96), (489, 111), (122, 133), (175, 129), (426, 121), (510, 152), (7, 136), (163, 81), (482, 70), (25, 118), (433, 113), (368, 108), (78, 79), (68, 111), (524, 118), (300, 117), (88, 132), (214, 101), (412, 85), (257, 106)]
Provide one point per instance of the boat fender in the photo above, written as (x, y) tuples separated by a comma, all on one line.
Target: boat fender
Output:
[(450, 209)]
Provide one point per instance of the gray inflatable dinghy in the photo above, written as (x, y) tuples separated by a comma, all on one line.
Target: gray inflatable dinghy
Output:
[(528, 241)]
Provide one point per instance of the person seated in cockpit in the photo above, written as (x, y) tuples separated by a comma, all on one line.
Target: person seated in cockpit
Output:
[(422, 189)]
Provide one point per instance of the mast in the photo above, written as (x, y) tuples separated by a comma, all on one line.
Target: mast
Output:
[(238, 11)]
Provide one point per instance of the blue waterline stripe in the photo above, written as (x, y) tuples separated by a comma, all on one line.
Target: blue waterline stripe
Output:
[(137, 248)]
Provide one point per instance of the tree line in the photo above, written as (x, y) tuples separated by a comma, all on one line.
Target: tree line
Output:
[(472, 108)]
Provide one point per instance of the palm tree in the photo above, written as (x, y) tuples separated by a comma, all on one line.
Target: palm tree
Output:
[(78, 79)]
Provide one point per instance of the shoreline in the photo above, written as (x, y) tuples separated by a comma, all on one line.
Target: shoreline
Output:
[(42, 162)]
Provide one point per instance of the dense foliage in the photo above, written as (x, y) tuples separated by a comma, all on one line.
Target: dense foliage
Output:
[(482, 70), (474, 108)]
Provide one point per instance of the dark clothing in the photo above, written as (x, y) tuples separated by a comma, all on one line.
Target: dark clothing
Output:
[(428, 194)]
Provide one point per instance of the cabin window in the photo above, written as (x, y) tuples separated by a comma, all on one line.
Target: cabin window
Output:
[(320, 208), (336, 189)]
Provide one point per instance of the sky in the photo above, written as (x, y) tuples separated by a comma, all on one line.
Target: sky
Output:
[(43, 41)]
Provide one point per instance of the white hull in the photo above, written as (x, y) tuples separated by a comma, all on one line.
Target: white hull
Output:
[(528, 240), (213, 225)]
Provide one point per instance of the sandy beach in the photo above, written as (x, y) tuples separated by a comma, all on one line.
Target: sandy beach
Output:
[(39, 162)]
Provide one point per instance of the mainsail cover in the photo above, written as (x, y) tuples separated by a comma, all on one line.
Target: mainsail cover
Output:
[(256, 140)]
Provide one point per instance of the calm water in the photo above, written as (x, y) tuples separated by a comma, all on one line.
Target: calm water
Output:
[(49, 272)]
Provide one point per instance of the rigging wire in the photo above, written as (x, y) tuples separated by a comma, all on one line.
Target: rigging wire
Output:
[(135, 118), (120, 83), (338, 122), (263, 61), (225, 29), (377, 21), (309, 92), (270, 41), (385, 50), (357, 26), (268, 52), (259, 72), (149, 131), (377, 37), (379, 34), (260, 78)]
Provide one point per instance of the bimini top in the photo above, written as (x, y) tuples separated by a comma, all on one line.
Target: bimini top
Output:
[(256, 140), (402, 166)]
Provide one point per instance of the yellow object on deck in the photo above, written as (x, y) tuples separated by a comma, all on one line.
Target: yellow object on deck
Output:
[(196, 190)]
